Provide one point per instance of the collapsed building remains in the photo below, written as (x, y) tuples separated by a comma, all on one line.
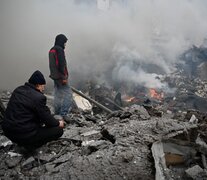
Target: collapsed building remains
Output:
[(149, 134)]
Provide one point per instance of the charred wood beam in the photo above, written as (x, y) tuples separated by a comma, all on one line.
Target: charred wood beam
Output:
[(91, 100)]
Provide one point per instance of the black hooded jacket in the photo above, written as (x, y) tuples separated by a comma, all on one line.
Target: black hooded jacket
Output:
[(57, 61), (26, 112)]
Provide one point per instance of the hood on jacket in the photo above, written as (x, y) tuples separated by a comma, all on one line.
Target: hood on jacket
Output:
[(60, 40)]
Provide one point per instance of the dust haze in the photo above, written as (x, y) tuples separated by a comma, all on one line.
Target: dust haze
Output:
[(109, 45)]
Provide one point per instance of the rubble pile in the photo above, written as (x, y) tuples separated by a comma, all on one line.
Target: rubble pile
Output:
[(148, 138), (189, 81), (103, 149), (101, 146)]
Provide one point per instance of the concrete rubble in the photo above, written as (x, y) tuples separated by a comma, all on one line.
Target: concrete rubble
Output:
[(148, 139), (116, 146)]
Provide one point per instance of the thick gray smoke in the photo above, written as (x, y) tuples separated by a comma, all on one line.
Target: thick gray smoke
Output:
[(109, 45)]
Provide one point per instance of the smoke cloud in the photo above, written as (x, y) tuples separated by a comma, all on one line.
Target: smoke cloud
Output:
[(117, 44)]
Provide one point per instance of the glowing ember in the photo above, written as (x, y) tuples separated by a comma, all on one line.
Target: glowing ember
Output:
[(130, 99), (154, 94)]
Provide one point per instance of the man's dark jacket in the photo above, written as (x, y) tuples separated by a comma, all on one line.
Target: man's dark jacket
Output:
[(57, 61), (26, 112)]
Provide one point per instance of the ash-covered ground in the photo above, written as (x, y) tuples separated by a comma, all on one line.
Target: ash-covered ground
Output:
[(121, 144)]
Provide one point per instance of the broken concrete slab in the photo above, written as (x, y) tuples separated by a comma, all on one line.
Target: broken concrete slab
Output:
[(173, 160), (194, 171), (160, 163)]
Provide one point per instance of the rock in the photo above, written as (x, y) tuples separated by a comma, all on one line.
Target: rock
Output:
[(127, 156), (63, 159), (140, 111), (12, 154), (51, 168), (193, 119), (91, 135), (12, 162), (101, 144), (29, 163), (4, 141), (194, 171), (45, 157), (72, 133)]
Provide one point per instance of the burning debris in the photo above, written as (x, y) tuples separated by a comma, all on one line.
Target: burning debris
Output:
[(144, 133), (156, 95)]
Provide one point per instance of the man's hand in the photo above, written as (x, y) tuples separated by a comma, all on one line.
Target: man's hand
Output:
[(61, 123), (64, 81)]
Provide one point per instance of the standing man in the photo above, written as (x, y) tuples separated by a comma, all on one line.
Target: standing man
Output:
[(59, 73), (28, 121)]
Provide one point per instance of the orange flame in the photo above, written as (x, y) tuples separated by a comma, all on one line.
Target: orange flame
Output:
[(130, 99), (154, 94)]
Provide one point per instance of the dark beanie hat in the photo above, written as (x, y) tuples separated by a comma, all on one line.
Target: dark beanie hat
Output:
[(37, 78), (60, 40)]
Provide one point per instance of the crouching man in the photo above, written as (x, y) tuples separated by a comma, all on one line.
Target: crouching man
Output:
[(28, 121)]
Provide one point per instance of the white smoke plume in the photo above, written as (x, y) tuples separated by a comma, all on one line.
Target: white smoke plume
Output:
[(102, 44)]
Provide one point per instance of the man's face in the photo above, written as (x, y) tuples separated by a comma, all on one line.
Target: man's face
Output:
[(40, 87)]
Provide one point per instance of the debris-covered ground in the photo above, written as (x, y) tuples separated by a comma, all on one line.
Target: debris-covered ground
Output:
[(156, 138), (93, 147)]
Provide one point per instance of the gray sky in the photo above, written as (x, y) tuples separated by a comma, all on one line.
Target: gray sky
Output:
[(150, 31)]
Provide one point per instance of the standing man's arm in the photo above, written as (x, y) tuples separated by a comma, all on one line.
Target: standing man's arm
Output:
[(62, 66)]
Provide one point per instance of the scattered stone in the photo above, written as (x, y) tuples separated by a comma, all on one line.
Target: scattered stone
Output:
[(101, 144), (72, 133), (4, 141), (62, 159), (87, 143), (45, 157), (91, 135), (140, 111), (193, 119), (51, 168), (127, 156), (194, 171), (12, 154), (12, 162), (29, 163)]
